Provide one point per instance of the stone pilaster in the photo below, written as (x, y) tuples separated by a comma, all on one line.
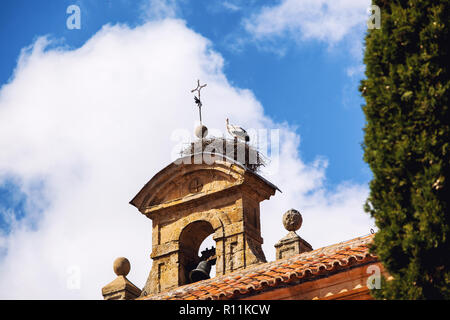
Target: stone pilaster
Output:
[(290, 245)]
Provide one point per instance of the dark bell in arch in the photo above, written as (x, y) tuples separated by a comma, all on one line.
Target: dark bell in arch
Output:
[(201, 272)]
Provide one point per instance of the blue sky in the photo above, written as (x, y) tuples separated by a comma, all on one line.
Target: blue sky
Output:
[(290, 64)]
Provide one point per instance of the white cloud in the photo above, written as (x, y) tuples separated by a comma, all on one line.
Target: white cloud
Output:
[(231, 6), (95, 123), (159, 9), (339, 24), (325, 20)]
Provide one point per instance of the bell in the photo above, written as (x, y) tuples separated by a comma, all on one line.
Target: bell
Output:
[(201, 272)]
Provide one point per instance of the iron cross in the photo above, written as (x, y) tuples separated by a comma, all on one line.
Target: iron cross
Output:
[(197, 99)]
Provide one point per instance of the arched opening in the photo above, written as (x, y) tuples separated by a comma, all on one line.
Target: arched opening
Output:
[(191, 238)]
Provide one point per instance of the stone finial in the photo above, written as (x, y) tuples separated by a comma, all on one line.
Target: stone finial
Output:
[(121, 266), (291, 244), (292, 220), (201, 131), (121, 288)]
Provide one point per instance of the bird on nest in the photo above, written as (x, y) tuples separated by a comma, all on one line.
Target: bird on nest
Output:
[(237, 132)]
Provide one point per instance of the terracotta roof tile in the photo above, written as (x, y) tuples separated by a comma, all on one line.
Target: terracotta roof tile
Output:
[(272, 274)]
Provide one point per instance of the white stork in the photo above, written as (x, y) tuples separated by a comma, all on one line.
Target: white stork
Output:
[(237, 132)]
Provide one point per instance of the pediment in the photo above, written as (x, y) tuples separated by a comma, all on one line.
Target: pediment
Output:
[(181, 182), (192, 184)]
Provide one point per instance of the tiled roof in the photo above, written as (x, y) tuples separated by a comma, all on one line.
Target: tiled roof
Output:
[(282, 272)]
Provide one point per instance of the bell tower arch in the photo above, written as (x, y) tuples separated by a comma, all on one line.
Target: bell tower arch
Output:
[(191, 237), (187, 202)]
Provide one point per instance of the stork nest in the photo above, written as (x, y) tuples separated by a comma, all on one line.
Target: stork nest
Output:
[(226, 150)]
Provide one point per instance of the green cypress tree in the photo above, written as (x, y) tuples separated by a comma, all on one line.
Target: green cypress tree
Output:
[(406, 145)]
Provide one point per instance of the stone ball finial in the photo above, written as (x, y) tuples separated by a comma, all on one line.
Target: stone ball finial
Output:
[(121, 266), (292, 220), (201, 131)]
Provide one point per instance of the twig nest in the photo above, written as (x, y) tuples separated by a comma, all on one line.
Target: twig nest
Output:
[(201, 131), (121, 266), (292, 220)]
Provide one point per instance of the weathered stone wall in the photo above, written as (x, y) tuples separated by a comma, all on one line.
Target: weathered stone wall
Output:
[(189, 202)]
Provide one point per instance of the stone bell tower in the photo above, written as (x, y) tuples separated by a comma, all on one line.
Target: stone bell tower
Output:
[(187, 201)]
